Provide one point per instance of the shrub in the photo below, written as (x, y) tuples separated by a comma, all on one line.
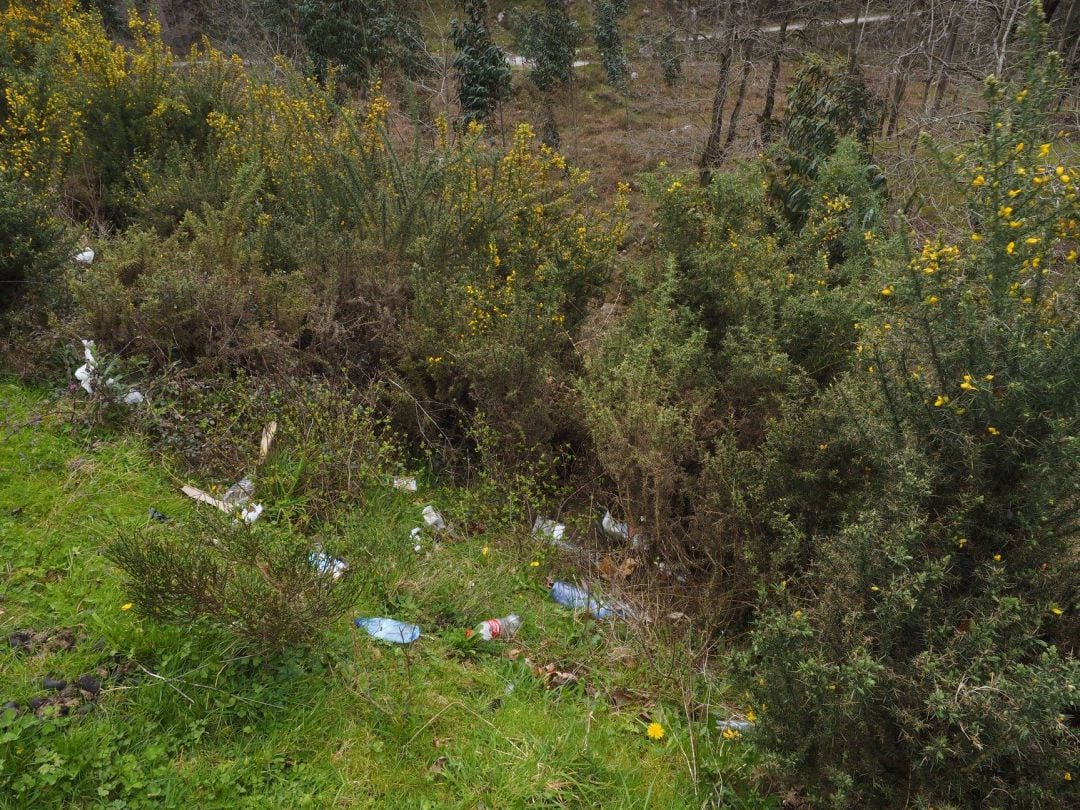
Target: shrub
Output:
[(256, 581), (917, 650), (35, 242)]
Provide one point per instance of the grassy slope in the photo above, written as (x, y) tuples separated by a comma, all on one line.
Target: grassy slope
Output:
[(363, 724)]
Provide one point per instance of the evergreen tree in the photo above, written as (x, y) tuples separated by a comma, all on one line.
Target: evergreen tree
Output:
[(548, 38), (609, 40), (482, 73)]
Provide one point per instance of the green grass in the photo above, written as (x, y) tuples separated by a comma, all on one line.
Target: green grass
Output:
[(197, 721)]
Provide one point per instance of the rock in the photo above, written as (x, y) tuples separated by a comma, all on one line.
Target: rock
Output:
[(53, 683)]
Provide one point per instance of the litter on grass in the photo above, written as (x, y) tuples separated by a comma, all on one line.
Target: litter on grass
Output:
[(736, 725), (433, 519), (415, 535), (390, 630), (403, 483), (577, 598), (85, 256), (549, 529), (323, 563), (87, 376)]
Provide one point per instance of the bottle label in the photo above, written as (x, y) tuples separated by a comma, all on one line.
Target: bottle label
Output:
[(495, 626)]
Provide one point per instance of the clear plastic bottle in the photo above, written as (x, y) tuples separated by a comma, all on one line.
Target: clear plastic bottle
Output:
[(498, 628)]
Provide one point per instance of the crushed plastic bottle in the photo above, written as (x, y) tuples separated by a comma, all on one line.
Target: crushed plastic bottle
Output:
[(389, 630), (239, 493), (498, 628), (433, 519), (614, 529), (576, 598), (543, 527), (736, 725), (323, 563)]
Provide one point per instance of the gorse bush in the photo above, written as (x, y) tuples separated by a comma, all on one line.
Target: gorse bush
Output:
[(917, 651)]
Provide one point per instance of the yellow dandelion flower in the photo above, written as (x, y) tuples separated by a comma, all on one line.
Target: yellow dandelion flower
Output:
[(941, 400), (1009, 248), (731, 734), (997, 558), (1044, 150), (126, 606), (535, 564), (976, 237), (797, 614), (1013, 192), (1068, 776), (1056, 610), (484, 551), (1005, 211), (875, 588), (886, 291), (655, 731), (750, 716), (1020, 146), (979, 180), (933, 299), (993, 431), (962, 542)]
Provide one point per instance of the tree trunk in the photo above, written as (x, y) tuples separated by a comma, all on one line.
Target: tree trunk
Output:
[(733, 119), (946, 60), (900, 82), (710, 156), (767, 123), (853, 44)]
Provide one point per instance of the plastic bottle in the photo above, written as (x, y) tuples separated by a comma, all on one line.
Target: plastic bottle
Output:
[(575, 598), (389, 630), (239, 493), (498, 628)]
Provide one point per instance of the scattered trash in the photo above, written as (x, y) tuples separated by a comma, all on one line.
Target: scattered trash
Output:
[(736, 725), (576, 598), (406, 484), (267, 439), (549, 529), (555, 532), (160, 517), (498, 628), (389, 630), (248, 514), (325, 564), (619, 531), (202, 497), (239, 493), (433, 519), (85, 256), (84, 372), (614, 529)]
